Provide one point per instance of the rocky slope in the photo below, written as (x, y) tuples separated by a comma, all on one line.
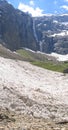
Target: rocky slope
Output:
[(52, 33), (40, 94)]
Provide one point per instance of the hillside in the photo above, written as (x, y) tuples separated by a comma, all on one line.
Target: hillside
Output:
[(54, 62), (32, 97)]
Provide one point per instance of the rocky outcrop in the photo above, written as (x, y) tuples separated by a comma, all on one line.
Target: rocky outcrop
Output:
[(52, 32), (16, 28)]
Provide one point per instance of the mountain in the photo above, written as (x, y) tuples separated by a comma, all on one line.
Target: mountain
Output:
[(16, 28), (52, 33), (46, 34)]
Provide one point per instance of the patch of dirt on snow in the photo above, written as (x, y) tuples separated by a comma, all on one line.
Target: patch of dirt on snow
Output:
[(11, 120)]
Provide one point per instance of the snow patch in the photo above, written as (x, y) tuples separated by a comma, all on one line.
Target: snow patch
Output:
[(65, 23), (33, 89), (60, 57), (29, 50), (55, 21), (39, 24), (60, 34)]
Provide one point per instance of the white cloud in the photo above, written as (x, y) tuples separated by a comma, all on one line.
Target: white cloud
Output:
[(31, 2), (66, 0), (64, 7), (33, 11)]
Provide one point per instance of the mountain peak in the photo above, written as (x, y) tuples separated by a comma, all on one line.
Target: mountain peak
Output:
[(2, 1)]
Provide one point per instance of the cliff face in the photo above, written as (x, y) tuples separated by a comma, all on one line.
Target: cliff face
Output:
[(16, 28), (52, 33), (47, 34)]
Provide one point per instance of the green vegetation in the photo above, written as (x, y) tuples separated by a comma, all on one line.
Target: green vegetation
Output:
[(30, 56), (38, 59), (43, 61), (59, 67), (25, 54)]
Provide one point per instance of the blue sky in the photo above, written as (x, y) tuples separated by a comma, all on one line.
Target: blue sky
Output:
[(41, 7)]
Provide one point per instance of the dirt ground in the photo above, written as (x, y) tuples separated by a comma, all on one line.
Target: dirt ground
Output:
[(11, 120)]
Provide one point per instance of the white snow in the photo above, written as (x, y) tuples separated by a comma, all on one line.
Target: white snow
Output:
[(55, 21), (63, 33), (39, 24), (65, 23), (29, 50), (60, 57), (45, 25), (33, 89)]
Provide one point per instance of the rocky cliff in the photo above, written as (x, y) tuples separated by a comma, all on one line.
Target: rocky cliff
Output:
[(16, 28), (52, 33)]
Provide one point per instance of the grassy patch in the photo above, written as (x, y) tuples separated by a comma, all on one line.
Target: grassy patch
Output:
[(59, 67), (41, 60), (37, 59), (31, 56), (25, 54)]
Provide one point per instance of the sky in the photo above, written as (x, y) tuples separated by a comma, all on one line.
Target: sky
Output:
[(41, 7)]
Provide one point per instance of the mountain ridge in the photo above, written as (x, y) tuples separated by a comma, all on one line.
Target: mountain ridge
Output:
[(52, 32), (46, 34)]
